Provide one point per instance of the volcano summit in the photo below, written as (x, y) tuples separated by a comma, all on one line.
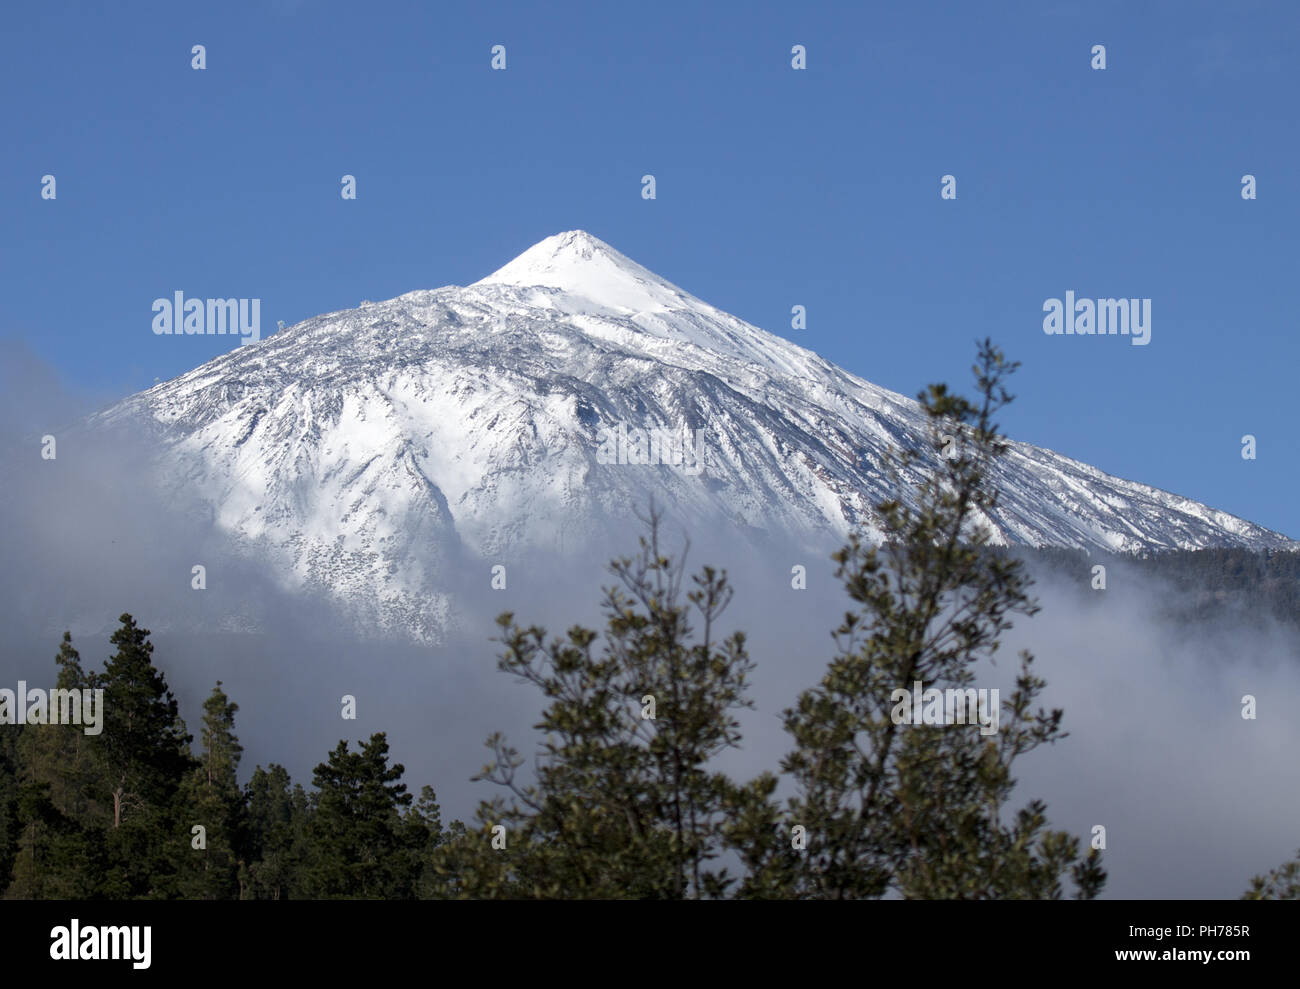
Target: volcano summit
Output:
[(358, 452)]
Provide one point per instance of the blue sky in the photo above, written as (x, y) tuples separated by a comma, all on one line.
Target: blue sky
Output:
[(775, 187)]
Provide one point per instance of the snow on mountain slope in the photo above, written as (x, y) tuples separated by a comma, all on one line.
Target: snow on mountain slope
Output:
[(361, 451)]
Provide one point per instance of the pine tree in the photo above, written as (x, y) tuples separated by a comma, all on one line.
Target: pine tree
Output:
[(9, 826), (37, 821), (624, 804), (1282, 883), (145, 752), (359, 846), (918, 810), (59, 822), (276, 835), (424, 836), (214, 802), (54, 859), (63, 755)]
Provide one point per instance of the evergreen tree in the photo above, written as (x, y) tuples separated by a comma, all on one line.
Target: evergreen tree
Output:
[(359, 845), (918, 810), (1283, 883), (60, 822), (63, 756), (276, 835), (54, 858), (424, 837), (145, 752), (212, 797), (624, 803), (9, 826), (37, 822)]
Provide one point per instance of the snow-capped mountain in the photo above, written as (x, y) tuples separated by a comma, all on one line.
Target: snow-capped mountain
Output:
[(359, 451)]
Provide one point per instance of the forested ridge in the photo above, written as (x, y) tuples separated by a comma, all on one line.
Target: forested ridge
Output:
[(1207, 585)]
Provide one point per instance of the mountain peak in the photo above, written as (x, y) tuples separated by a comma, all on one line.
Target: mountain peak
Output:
[(578, 264)]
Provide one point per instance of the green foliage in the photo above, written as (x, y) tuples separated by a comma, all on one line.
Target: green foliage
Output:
[(57, 814), (111, 815), (9, 826), (625, 804), (276, 825), (54, 858), (918, 810), (211, 798), (145, 757), (145, 745), (1283, 883), (361, 844)]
